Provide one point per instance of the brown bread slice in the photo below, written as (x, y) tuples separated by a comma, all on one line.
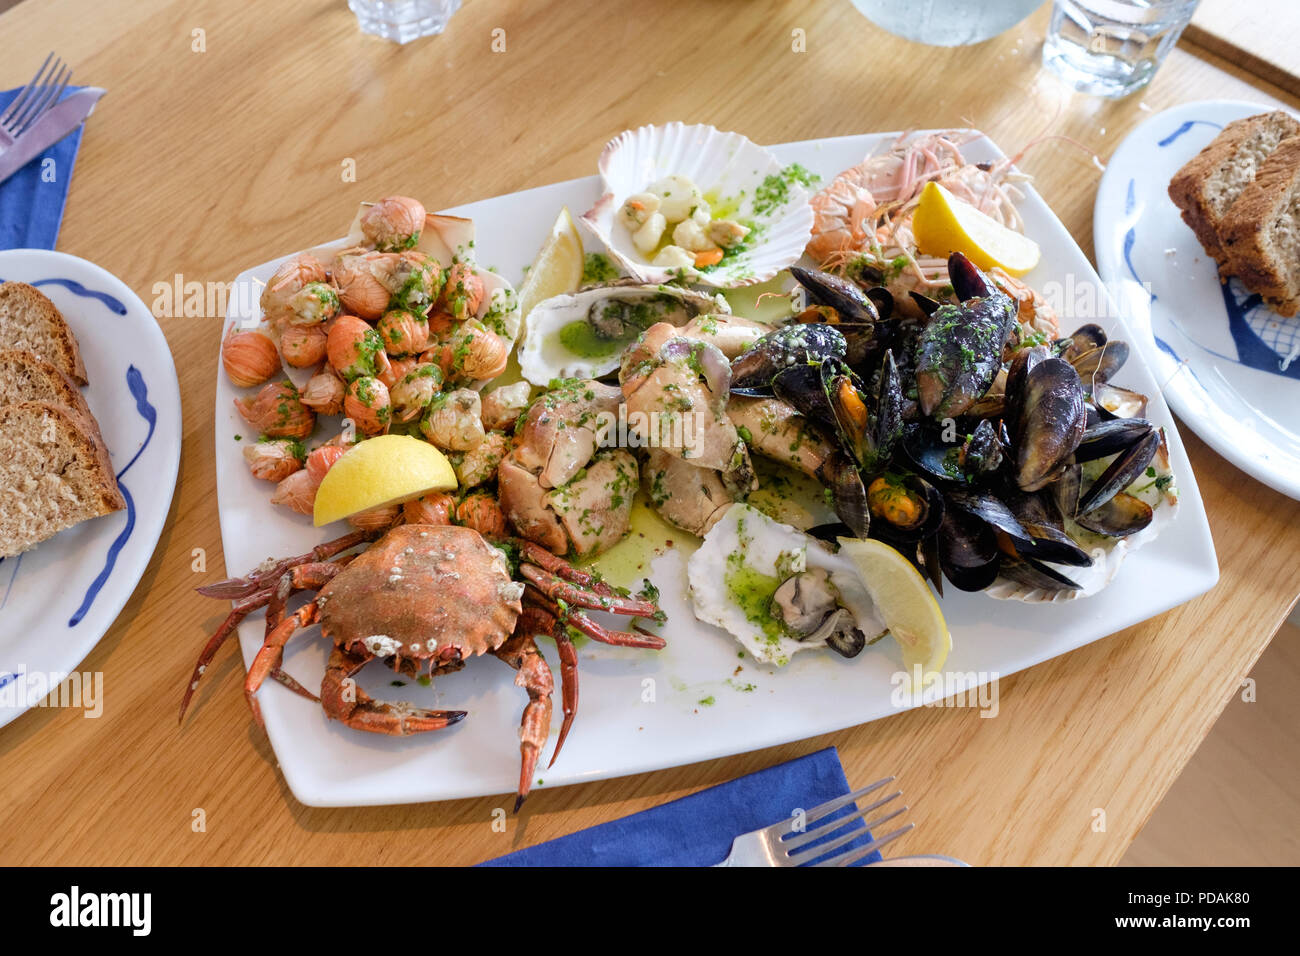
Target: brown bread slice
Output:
[(1261, 233), (26, 377), (30, 321), (1208, 185), (54, 473)]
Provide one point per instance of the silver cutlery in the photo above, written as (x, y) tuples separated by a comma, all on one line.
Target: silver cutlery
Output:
[(34, 99), (787, 843), (54, 123)]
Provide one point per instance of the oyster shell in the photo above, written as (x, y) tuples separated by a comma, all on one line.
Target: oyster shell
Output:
[(584, 334), (744, 559)]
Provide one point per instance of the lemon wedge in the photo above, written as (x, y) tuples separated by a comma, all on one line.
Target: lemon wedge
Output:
[(558, 266), (380, 471), (943, 224), (904, 603)]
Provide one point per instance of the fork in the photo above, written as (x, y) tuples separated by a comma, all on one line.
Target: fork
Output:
[(781, 845), (34, 99)]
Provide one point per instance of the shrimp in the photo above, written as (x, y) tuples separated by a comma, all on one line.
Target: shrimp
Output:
[(862, 220)]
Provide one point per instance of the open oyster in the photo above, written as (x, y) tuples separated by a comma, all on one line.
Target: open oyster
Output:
[(583, 334), (777, 590)]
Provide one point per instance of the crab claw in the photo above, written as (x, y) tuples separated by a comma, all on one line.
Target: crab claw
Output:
[(344, 701)]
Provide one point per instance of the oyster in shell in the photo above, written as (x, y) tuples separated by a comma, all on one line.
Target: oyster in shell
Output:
[(584, 334), (777, 590)]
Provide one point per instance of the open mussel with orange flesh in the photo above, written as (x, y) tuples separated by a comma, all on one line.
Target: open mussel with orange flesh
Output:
[(904, 507), (959, 353), (863, 317)]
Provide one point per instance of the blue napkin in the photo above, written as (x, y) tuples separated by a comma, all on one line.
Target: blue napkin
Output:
[(31, 209), (698, 830)]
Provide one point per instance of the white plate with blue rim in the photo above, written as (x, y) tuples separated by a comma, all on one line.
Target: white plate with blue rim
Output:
[(1228, 364), (58, 599)]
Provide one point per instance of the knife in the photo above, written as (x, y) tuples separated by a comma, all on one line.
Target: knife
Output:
[(55, 123)]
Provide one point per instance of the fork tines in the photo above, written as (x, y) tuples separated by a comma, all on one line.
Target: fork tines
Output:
[(795, 845), (36, 97)]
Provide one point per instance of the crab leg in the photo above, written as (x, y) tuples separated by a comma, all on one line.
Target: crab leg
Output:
[(568, 683), (637, 637), (555, 587), (534, 553), (538, 620), (344, 701), (288, 681), (304, 577), (237, 614), (568, 615), (521, 653), (262, 577), (271, 654)]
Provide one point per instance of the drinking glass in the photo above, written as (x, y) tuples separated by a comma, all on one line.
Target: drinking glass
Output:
[(946, 22), (403, 20), (1113, 47)]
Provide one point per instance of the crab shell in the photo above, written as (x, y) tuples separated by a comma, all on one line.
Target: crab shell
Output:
[(437, 593)]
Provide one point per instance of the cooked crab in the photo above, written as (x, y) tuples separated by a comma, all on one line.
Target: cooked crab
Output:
[(427, 598)]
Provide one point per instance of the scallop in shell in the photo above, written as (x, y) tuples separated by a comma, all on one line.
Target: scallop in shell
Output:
[(584, 334), (748, 563), (730, 171)]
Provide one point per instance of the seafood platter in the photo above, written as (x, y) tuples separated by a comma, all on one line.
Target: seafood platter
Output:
[(757, 444)]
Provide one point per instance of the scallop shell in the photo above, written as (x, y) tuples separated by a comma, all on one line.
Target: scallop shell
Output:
[(543, 357), (746, 535), (724, 164)]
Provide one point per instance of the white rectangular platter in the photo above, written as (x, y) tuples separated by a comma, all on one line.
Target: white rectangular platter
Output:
[(642, 710)]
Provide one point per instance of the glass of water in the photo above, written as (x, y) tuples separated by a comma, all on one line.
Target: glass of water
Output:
[(1113, 47), (946, 22), (403, 20)]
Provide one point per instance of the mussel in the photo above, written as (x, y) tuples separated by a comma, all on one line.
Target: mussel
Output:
[(960, 351), (963, 461), (800, 344), (1050, 420), (903, 507), (1120, 516), (862, 317), (968, 551)]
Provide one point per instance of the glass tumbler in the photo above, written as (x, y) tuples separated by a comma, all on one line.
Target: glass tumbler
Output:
[(403, 20), (1113, 47)]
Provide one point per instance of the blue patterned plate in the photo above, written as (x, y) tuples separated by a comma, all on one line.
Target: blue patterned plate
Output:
[(1229, 365), (57, 600)]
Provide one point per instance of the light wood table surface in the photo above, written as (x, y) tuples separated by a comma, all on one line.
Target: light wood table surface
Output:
[(1262, 36), (206, 163)]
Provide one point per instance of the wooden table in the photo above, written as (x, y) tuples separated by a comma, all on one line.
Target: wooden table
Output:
[(203, 163), (1260, 36)]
